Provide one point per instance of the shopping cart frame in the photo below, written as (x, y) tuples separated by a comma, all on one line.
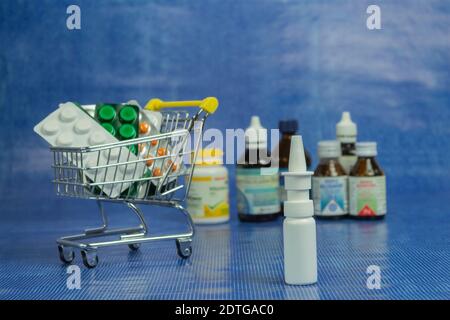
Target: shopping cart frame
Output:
[(70, 180)]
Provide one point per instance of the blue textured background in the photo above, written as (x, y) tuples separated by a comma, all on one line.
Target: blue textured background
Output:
[(303, 59)]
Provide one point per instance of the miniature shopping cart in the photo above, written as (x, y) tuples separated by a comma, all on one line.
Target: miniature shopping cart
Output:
[(159, 179)]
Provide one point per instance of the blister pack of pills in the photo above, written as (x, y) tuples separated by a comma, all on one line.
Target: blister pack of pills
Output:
[(69, 126)]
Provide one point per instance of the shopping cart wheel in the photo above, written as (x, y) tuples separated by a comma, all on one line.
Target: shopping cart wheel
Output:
[(90, 258), (184, 248), (66, 255), (134, 246)]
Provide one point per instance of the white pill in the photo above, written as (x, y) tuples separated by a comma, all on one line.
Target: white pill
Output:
[(50, 128), (127, 169), (112, 154), (82, 126), (64, 139), (89, 162), (97, 138), (67, 114), (92, 161)]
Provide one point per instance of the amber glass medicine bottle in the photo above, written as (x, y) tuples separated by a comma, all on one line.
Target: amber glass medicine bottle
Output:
[(257, 181), (329, 183), (367, 184), (288, 128)]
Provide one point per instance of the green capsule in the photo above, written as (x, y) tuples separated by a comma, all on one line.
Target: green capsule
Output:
[(109, 127), (128, 114), (106, 113), (133, 149), (127, 131)]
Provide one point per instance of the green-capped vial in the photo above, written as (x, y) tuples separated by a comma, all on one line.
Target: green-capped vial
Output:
[(128, 114), (127, 131), (108, 127), (106, 113)]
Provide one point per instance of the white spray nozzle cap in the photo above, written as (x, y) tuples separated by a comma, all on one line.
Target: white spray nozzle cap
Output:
[(256, 134), (297, 161), (346, 129)]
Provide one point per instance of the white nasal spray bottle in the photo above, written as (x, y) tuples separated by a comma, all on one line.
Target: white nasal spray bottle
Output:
[(299, 226)]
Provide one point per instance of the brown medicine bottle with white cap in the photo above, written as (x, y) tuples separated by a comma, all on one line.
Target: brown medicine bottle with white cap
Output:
[(288, 128), (367, 184), (329, 183), (257, 181)]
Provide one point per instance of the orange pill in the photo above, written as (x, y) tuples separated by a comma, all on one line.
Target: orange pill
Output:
[(174, 167), (156, 172), (141, 147), (162, 152), (149, 161), (154, 142), (143, 127)]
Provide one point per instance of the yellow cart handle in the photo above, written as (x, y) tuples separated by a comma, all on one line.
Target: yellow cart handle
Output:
[(208, 104)]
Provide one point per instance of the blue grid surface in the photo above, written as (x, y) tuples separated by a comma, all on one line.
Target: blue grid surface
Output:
[(234, 260), (307, 60)]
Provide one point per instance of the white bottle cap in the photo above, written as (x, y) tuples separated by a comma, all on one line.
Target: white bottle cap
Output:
[(329, 149), (209, 157), (366, 149), (256, 135), (346, 129)]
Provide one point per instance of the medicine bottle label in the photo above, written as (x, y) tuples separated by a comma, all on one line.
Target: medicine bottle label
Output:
[(283, 192), (258, 191), (330, 196), (367, 196), (208, 197)]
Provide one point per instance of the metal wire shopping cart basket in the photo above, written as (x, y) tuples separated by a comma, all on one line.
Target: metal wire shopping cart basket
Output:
[(102, 173)]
